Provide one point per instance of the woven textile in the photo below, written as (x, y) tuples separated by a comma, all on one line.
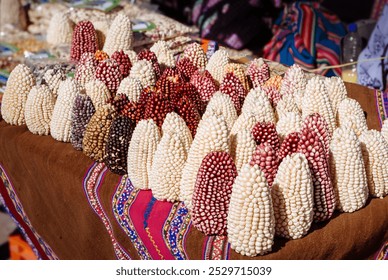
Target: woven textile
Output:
[(15, 209), (306, 34)]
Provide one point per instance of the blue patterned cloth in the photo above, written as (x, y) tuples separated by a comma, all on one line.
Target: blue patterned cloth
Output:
[(374, 73)]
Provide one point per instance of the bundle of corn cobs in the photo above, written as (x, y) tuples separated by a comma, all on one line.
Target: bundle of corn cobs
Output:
[(252, 154)]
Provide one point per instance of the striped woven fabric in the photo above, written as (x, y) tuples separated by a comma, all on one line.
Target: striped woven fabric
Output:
[(381, 100), (306, 34)]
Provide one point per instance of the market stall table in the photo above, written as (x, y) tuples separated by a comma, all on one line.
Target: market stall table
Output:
[(72, 208)]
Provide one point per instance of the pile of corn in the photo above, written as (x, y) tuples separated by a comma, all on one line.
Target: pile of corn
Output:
[(252, 154)]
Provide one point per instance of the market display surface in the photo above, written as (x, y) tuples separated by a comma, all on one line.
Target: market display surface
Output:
[(152, 155)]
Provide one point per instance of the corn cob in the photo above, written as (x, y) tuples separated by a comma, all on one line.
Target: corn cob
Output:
[(97, 133), (164, 54), (84, 40), (144, 72), (60, 29), (285, 105), (221, 104), (197, 56), (257, 103), (292, 197), (211, 197), (294, 83), (123, 62), (337, 91), (53, 77), (142, 147), (350, 113), (266, 158), (258, 72), (204, 84), (264, 132), (216, 65), (81, 114), (86, 69), (290, 145), (98, 93), (130, 87), (151, 57), (39, 109), (251, 221), (232, 86), (186, 68), (316, 100), (166, 172), (273, 95), (212, 135), (108, 72), (348, 170), (119, 35), (318, 125), (19, 84), (324, 197), (174, 124), (60, 126), (274, 81), (375, 154), (238, 70), (116, 148), (242, 148), (290, 122)]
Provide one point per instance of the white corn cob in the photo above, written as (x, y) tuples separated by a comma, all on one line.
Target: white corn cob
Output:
[(39, 109), (60, 29), (348, 170), (19, 84), (164, 54), (245, 121), (286, 105), (53, 78), (142, 147), (292, 197), (294, 83), (119, 35), (132, 55), (375, 153), (216, 65), (197, 56), (242, 148), (60, 126), (98, 93), (290, 122), (221, 104), (350, 113), (316, 100), (384, 130), (166, 172), (251, 221), (257, 103), (144, 72), (337, 91), (131, 87), (212, 135), (174, 124)]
